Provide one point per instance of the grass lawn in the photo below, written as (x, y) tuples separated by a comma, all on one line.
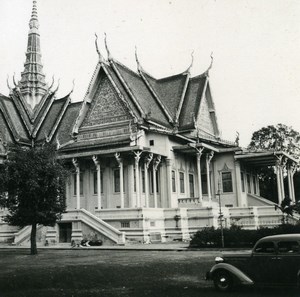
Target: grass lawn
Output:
[(83, 273), (100, 273)]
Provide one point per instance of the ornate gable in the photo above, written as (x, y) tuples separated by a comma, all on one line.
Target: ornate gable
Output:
[(106, 106), (204, 121)]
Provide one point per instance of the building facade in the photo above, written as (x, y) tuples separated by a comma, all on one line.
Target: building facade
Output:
[(149, 162)]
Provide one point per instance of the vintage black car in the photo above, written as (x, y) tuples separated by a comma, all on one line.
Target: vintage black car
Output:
[(274, 261)]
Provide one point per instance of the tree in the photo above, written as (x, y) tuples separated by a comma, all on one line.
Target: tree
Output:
[(32, 183), (276, 138)]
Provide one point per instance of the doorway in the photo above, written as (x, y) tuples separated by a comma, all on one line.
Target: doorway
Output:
[(65, 232)]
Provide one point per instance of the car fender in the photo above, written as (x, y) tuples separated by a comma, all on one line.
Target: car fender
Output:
[(241, 276)]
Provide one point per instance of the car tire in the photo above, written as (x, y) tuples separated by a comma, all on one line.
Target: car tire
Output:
[(223, 281)]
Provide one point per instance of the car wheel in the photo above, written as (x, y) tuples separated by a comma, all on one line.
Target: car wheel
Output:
[(223, 281)]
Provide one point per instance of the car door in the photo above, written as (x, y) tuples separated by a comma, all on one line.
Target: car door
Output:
[(289, 261), (264, 263)]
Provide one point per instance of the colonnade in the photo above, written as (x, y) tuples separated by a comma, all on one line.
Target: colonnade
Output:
[(150, 162), (282, 165), (208, 159)]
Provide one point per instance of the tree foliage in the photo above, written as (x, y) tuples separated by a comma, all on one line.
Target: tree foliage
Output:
[(277, 138), (32, 187)]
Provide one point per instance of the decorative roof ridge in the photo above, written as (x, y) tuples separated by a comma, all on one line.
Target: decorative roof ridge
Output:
[(126, 67), (20, 108), (157, 99), (43, 117), (23, 103), (202, 97), (127, 88), (86, 100), (9, 122), (97, 69), (40, 105), (179, 108), (60, 116)]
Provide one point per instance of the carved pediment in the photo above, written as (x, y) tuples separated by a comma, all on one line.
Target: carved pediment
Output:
[(106, 106)]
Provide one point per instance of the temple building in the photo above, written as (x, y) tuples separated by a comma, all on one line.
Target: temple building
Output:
[(149, 161)]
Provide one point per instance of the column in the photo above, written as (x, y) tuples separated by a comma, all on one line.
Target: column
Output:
[(147, 162), (199, 154), (76, 165), (120, 163), (130, 186), (98, 169), (293, 170), (169, 184), (209, 156), (137, 178), (257, 185), (282, 167), (242, 202), (155, 166), (278, 178), (290, 173)]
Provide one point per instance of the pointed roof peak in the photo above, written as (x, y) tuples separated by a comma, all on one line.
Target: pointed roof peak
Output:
[(32, 84), (34, 23)]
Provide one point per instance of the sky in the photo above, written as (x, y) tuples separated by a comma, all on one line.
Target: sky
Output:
[(255, 78)]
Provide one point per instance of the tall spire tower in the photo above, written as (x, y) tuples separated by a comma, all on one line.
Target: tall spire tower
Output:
[(32, 84)]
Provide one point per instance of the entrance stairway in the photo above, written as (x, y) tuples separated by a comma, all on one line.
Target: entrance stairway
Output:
[(85, 217)]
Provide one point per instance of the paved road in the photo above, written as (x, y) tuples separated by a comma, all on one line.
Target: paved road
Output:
[(113, 273)]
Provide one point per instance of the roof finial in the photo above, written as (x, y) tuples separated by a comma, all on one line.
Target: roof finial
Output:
[(14, 81), (51, 82), (58, 83), (211, 64), (192, 61), (137, 60), (97, 49), (108, 52), (73, 82), (7, 82)]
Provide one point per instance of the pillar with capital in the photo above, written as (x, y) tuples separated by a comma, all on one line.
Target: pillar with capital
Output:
[(291, 169), (279, 176), (77, 168), (199, 154), (170, 202), (209, 157), (120, 163), (137, 178), (147, 162), (156, 162), (98, 170)]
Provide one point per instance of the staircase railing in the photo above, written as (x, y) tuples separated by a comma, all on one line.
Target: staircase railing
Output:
[(95, 223)]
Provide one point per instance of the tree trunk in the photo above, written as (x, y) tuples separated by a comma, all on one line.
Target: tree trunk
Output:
[(33, 250)]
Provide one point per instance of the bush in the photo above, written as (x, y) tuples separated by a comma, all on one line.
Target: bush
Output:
[(236, 237)]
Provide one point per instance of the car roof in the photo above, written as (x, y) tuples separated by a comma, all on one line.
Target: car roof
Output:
[(283, 237)]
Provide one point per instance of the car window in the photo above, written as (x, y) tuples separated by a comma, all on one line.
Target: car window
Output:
[(265, 248), (288, 247)]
